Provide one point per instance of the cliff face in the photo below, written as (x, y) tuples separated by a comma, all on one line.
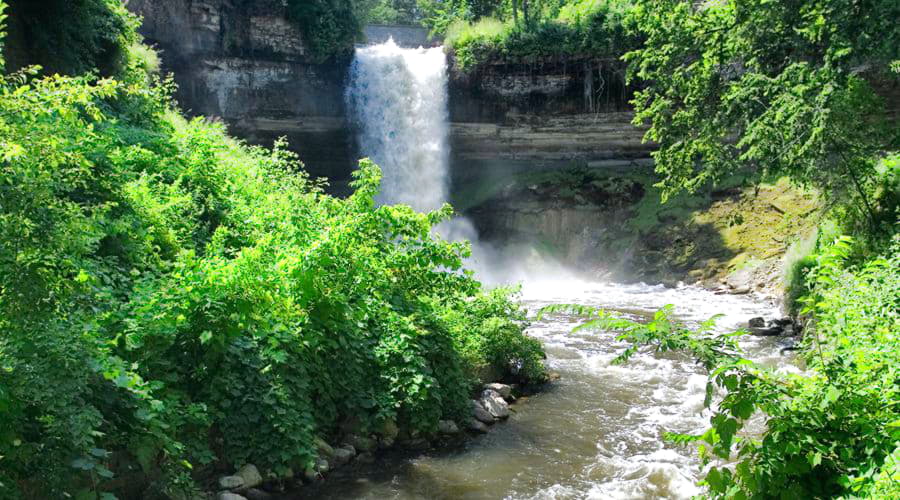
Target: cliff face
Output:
[(244, 63)]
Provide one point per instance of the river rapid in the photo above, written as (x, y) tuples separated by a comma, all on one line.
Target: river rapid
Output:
[(594, 433)]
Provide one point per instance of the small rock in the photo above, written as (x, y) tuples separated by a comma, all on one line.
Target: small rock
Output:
[(553, 376), (251, 476), (448, 427), (363, 444), (227, 495), (322, 466), (785, 321), (495, 405), (343, 455), (756, 322), (481, 414), (385, 443), (324, 449), (231, 482), (503, 390), (744, 290), (257, 494), (366, 458), (766, 332), (476, 426)]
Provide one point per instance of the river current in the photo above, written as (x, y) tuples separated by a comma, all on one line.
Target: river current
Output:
[(597, 432)]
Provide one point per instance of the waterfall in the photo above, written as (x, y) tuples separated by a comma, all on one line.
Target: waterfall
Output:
[(398, 97)]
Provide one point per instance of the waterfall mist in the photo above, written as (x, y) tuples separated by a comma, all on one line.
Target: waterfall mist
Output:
[(398, 97)]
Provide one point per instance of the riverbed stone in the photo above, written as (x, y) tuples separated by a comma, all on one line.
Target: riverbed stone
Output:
[(251, 476), (494, 404), (757, 322), (231, 482), (344, 454), (362, 444), (481, 414), (448, 427), (766, 332), (475, 425), (503, 390), (227, 495)]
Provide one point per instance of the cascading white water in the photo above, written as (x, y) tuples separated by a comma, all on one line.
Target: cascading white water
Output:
[(399, 98)]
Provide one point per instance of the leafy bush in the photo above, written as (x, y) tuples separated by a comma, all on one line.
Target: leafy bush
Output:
[(329, 27), (69, 37), (173, 300), (581, 29)]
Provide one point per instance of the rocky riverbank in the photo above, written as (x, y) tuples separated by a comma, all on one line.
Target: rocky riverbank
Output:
[(492, 405)]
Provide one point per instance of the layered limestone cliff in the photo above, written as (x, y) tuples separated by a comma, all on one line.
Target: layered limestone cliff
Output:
[(246, 64)]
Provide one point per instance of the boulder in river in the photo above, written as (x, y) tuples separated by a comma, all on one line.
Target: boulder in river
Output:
[(363, 444), (250, 475), (757, 322), (494, 404), (481, 414), (475, 425), (448, 427), (231, 482), (227, 495), (766, 331), (344, 454), (503, 390)]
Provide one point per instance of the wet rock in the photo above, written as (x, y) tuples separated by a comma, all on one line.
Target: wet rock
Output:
[(553, 376), (766, 332), (784, 322), (756, 322), (494, 404), (231, 482), (475, 425), (343, 455), (448, 427), (227, 495), (744, 290), (322, 466), (324, 449), (366, 458), (251, 476), (481, 414), (362, 444), (503, 390)]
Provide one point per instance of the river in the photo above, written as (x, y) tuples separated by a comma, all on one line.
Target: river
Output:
[(594, 433)]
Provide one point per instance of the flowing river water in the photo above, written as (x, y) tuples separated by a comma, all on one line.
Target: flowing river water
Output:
[(594, 433), (597, 432)]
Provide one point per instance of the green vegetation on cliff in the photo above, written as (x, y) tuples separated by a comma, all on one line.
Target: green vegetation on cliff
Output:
[(173, 301), (788, 88)]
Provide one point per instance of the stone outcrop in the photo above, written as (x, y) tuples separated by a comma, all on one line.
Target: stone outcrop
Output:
[(246, 64)]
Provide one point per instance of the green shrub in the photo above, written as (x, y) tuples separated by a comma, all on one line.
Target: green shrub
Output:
[(173, 300), (70, 37), (329, 27)]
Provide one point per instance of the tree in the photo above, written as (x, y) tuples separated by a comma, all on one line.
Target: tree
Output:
[(787, 87)]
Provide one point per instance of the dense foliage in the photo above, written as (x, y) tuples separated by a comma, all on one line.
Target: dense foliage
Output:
[(785, 87), (576, 29), (329, 27), (69, 37), (172, 299)]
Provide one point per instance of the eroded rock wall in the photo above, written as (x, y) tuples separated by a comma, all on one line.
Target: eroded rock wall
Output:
[(246, 64)]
